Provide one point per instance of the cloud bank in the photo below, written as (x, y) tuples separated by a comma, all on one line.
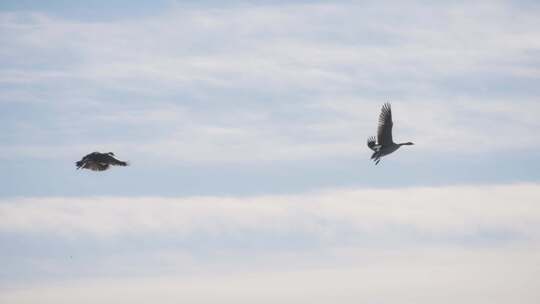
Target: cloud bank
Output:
[(466, 244), (429, 211)]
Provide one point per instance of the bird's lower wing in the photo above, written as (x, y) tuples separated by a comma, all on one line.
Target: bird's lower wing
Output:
[(95, 166)]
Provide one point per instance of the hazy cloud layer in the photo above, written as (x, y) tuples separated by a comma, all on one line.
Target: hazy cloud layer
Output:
[(421, 276)]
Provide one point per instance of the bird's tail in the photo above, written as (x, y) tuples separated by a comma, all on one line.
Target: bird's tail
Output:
[(79, 164), (371, 143)]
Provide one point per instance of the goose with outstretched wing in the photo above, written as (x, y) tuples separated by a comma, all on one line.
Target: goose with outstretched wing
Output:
[(384, 144), (97, 161)]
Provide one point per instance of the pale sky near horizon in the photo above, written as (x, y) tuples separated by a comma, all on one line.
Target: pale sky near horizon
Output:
[(245, 125)]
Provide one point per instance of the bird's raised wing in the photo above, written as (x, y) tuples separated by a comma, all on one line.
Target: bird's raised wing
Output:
[(371, 143), (384, 130)]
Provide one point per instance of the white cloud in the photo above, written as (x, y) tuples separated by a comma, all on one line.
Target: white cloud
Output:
[(458, 211), (304, 82)]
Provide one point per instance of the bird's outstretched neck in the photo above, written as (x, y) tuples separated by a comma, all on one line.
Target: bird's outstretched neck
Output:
[(406, 144)]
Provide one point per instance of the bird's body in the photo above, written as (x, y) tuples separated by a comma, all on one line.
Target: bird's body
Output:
[(97, 161), (384, 144)]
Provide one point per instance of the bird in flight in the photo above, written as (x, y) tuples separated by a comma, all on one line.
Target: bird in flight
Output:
[(96, 161), (384, 144)]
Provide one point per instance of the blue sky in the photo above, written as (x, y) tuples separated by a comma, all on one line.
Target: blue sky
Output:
[(245, 124)]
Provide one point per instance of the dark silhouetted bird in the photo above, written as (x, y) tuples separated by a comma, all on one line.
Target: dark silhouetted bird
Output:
[(384, 144), (96, 161)]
